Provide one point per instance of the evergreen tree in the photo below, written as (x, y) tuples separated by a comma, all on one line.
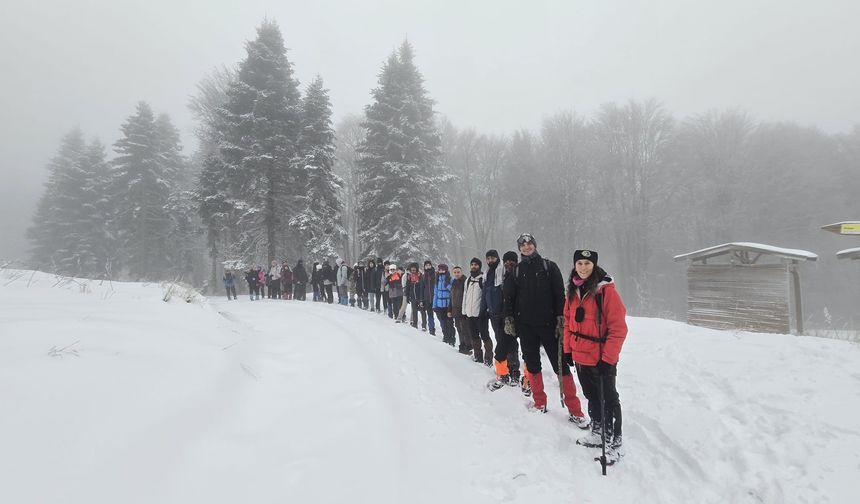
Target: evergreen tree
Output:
[(261, 120), (51, 223), (138, 191), (95, 248), (403, 210), (319, 220)]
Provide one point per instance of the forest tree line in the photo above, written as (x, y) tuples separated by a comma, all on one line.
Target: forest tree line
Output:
[(272, 179)]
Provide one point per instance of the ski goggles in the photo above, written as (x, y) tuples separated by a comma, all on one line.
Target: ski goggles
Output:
[(525, 238)]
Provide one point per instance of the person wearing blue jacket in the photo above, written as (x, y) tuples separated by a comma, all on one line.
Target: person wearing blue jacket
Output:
[(415, 295), (229, 284), (442, 303)]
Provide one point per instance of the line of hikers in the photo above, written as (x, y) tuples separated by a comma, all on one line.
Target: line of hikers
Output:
[(581, 326)]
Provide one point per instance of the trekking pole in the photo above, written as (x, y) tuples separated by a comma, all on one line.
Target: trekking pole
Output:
[(602, 458), (560, 337)]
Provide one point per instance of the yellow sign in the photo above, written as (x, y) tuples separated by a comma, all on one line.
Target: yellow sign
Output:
[(850, 228)]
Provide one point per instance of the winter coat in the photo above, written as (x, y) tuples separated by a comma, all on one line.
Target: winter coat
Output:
[(442, 292), (300, 276), (360, 276), (613, 325), (353, 283), (395, 285), (229, 280), (286, 276), (261, 277), (316, 275), (342, 277), (326, 274), (535, 295), (492, 299), (458, 288), (275, 273), (414, 288), (429, 278), (252, 278), (371, 279), (472, 296)]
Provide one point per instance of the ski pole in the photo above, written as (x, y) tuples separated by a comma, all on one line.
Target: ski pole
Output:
[(560, 369)]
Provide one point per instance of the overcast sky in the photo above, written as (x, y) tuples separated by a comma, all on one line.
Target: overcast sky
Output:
[(492, 64)]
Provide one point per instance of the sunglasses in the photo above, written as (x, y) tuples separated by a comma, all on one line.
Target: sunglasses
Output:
[(525, 238), (579, 315)]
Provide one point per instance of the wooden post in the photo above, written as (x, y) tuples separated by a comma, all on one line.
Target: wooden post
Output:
[(798, 305)]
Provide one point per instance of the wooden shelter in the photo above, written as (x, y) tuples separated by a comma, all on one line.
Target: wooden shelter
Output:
[(745, 286)]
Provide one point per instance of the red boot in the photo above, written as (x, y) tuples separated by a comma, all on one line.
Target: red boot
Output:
[(536, 381), (570, 399)]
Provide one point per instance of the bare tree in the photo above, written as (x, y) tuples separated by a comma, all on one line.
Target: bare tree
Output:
[(349, 134)]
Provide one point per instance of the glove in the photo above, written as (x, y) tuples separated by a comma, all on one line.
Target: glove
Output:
[(605, 369), (568, 359), (510, 330), (559, 327)]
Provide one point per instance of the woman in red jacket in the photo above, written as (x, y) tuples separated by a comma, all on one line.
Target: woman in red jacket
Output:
[(594, 331)]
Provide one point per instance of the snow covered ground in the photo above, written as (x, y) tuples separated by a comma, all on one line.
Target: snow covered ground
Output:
[(283, 401)]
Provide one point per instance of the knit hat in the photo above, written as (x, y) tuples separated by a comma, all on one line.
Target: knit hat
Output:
[(442, 267), (588, 255), (492, 253), (510, 255), (526, 238), (477, 261), (428, 261)]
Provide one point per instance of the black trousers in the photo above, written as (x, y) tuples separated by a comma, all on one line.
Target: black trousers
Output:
[(479, 329), (415, 311), (386, 303), (507, 346), (589, 381), (395, 306), (275, 289), (329, 297), (463, 330), (447, 325), (532, 337), (299, 291), (231, 289)]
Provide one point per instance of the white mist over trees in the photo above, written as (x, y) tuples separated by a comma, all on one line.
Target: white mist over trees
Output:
[(273, 180)]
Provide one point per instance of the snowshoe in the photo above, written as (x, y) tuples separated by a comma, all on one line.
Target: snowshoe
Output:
[(478, 359), (534, 409), (580, 422), (613, 455), (514, 381), (593, 439), (432, 332), (498, 383), (525, 387), (423, 329)]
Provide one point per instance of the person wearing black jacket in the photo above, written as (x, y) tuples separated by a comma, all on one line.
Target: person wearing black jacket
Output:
[(300, 281), (372, 281), (415, 295), (429, 279), (534, 312), (253, 287), (328, 277), (316, 269)]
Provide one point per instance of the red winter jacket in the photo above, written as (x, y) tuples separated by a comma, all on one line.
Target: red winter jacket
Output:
[(613, 325)]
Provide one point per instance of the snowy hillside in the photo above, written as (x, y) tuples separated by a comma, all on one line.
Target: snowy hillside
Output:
[(111, 395)]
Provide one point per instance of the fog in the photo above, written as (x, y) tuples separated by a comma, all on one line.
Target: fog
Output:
[(494, 65)]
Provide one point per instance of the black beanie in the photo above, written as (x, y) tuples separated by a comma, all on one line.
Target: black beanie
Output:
[(588, 255), (510, 255), (477, 261), (492, 253)]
